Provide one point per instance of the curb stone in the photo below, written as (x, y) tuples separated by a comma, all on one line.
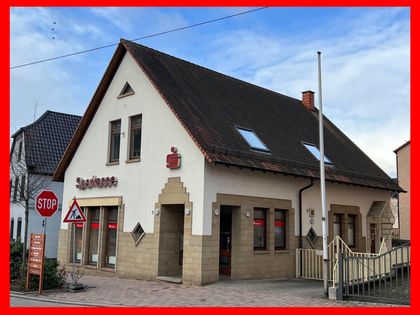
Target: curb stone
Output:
[(27, 297)]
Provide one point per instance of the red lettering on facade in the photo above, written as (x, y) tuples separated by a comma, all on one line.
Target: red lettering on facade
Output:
[(96, 182)]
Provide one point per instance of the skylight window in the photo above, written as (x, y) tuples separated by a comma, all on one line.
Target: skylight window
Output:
[(315, 152), (253, 140)]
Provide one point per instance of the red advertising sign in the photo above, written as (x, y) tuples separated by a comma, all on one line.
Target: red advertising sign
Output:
[(279, 224), (259, 222), (173, 160), (46, 203), (94, 226), (112, 226), (36, 259)]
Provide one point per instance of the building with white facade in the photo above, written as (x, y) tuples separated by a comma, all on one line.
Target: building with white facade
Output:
[(34, 155), (185, 172), (403, 172)]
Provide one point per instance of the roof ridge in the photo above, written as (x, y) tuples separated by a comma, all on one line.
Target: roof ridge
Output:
[(61, 113), (39, 119), (213, 71)]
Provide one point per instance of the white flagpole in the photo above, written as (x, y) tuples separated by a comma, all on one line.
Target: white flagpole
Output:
[(322, 181)]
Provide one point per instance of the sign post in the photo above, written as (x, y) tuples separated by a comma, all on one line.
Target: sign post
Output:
[(75, 215), (36, 260), (46, 203)]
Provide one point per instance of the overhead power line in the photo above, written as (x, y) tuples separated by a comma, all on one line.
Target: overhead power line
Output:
[(140, 38)]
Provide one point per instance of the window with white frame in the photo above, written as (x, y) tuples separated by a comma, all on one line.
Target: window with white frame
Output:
[(114, 141), (135, 137)]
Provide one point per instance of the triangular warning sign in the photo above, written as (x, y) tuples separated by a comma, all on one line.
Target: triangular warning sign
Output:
[(75, 214)]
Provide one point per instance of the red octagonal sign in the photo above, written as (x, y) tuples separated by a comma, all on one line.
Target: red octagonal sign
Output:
[(46, 203)]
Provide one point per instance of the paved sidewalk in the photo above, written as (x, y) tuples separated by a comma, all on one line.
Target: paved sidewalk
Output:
[(110, 291)]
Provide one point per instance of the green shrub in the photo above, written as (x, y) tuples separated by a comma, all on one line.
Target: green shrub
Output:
[(54, 278), (16, 249)]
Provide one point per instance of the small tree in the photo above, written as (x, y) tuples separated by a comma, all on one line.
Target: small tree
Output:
[(26, 184)]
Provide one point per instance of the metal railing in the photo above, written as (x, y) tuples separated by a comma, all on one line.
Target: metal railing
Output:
[(309, 261), (384, 277)]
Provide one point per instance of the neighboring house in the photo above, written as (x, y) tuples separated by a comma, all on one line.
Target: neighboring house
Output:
[(394, 207), (35, 153), (186, 172), (403, 173)]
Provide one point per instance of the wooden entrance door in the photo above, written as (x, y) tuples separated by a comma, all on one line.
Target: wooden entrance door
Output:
[(225, 243)]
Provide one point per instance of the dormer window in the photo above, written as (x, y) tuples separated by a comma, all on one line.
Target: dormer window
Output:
[(252, 139), (315, 152), (126, 90)]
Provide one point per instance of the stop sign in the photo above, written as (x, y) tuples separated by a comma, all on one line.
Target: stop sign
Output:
[(46, 203)]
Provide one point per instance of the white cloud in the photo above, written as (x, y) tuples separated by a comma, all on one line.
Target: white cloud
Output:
[(140, 21), (57, 84), (365, 76)]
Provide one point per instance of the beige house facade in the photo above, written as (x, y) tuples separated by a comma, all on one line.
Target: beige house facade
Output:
[(165, 200), (403, 174)]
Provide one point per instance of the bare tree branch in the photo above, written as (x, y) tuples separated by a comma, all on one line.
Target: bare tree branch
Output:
[(25, 184)]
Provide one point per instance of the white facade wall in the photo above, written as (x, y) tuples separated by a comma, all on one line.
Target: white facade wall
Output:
[(220, 179), (139, 183)]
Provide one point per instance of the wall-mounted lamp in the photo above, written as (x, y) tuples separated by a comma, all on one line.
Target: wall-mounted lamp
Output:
[(216, 212), (311, 212), (156, 211), (247, 214), (187, 211)]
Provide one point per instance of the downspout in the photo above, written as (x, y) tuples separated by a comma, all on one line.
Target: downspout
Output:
[(300, 210), (300, 220)]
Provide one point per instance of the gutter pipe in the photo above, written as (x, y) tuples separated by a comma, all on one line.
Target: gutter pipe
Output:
[(300, 220)]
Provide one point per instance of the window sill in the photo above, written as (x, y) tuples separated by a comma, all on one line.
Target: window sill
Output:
[(282, 251), (124, 95), (261, 251), (112, 163), (108, 269), (133, 160), (93, 267)]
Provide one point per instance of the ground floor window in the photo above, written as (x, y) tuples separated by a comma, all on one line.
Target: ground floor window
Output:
[(337, 225), (111, 236), (94, 214), (280, 229), (96, 240), (12, 227), (260, 229), (19, 230), (79, 240), (351, 230)]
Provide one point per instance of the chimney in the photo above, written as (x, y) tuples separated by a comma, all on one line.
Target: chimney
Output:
[(308, 100)]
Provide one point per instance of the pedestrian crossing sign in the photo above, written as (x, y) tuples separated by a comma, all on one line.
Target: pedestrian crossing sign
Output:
[(75, 214)]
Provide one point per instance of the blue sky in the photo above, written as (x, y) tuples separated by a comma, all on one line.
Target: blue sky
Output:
[(365, 53)]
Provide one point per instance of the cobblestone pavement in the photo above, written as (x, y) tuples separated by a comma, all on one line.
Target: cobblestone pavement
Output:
[(110, 291)]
